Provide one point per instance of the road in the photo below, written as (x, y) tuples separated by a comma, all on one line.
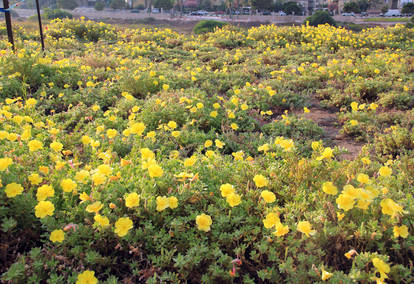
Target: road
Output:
[(92, 14)]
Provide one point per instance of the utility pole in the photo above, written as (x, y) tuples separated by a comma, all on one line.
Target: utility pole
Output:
[(40, 25), (8, 22)]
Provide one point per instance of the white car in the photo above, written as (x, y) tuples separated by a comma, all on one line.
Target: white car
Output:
[(393, 13)]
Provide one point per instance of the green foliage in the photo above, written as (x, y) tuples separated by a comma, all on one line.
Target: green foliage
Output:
[(164, 4), (52, 14), (352, 7), (117, 4), (67, 4), (262, 4), (320, 18), (408, 8), (206, 26), (292, 8), (99, 6)]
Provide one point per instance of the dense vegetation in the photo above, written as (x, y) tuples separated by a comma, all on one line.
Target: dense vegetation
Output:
[(145, 155)]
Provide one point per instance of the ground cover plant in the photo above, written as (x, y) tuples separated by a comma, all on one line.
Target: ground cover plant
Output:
[(149, 156)]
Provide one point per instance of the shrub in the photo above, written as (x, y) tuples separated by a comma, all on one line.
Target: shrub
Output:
[(320, 18), (52, 14), (99, 6), (351, 7), (67, 4), (292, 8), (408, 8), (207, 26)]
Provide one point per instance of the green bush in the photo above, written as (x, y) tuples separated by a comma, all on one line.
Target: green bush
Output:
[(52, 14), (99, 6), (67, 4), (207, 26), (320, 18)]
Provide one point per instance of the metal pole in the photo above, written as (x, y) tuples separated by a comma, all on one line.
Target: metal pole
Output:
[(8, 23), (40, 25)]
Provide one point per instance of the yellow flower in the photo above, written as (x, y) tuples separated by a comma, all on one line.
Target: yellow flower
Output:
[(57, 236), (385, 171), (35, 179), (381, 267), (5, 163), (233, 199), (94, 207), (326, 275), (162, 203), (219, 144), (44, 170), (35, 145), (271, 220), (44, 192), (172, 124), (226, 189), (138, 128), (391, 208), (208, 143), (56, 146), (44, 208), (326, 154), (354, 106), (345, 202), (190, 161), (81, 176), (155, 171), (132, 200), (350, 253), (165, 87), (366, 161), (306, 110), (203, 222), (105, 170), (363, 178), (329, 188), (98, 178), (234, 126), (260, 181), (87, 277), (68, 185), (101, 221), (147, 154), (122, 226), (268, 196), (84, 197), (175, 134), (401, 231), (31, 102), (111, 133), (173, 202), (353, 122), (281, 230), (86, 140), (306, 228), (13, 189)]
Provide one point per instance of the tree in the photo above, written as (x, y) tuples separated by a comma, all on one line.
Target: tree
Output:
[(408, 8), (164, 4), (278, 6), (364, 5), (117, 4), (352, 7), (292, 8), (262, 4), (67, 4)]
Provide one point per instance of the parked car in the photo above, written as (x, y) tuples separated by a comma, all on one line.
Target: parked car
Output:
[(134, 11), (156, 11), (281, 13), (348, 14), (266, 13), (199, 13), (392, 13)]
